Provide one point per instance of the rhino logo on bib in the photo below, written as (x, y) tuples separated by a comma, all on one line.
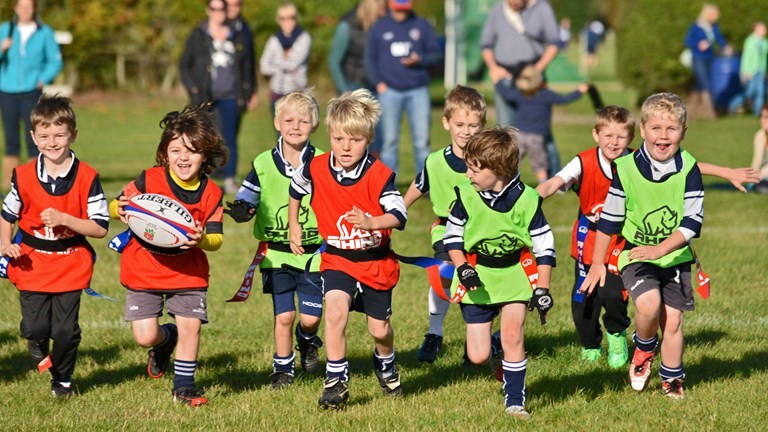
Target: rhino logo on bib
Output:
[(354, 238), (657, 225), (499, 246), (280, 230)]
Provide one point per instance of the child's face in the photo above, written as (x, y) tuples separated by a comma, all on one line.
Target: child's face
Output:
[(462, 125), (764, 119), (662, 135), (53, 141), (483, 179), (184, 161), (347, 149), (612, 140), (295, 128)]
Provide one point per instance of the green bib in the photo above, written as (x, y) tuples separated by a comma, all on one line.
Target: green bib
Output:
[(442, 181), (271, 223), (654, 210), (496, 234)]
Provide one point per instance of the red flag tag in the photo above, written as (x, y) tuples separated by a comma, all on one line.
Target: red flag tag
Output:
[(44, 364), (245, 287), (703, 288)]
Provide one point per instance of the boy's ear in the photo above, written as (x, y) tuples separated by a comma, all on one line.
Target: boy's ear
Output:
[(73, 136), (314, 129), (595, 135), (682, 136), (446, 125), (276, 122)]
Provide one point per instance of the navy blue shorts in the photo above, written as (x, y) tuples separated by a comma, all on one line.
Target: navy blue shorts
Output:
[(376, 304), (285, 285)]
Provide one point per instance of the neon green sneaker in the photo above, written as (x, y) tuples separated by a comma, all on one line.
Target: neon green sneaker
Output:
[(618, 353), (591, 355)]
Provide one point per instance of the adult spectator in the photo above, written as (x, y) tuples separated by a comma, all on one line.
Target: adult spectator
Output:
[(30, 59), (347, 58), (594, 32), (239, 25), (752, 70), (517, 33), (401, 49), (285, 55), (701, 39), (215, 65)]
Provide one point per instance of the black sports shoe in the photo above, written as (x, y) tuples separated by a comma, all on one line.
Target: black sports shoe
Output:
[(281, 380), (430, 347), (59, 391), (38, 351), (310, 360), (191, 396), (335, 393), (159, 358), (391, 384)]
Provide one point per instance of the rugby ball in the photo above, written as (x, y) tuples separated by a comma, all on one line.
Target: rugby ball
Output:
[(159, 220)]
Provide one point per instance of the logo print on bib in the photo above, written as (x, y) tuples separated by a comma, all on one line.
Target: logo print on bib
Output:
[(353, 238), (499, 246), (657, 225)]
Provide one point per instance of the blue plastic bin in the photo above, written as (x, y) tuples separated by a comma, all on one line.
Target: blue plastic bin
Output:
[(724, 80)]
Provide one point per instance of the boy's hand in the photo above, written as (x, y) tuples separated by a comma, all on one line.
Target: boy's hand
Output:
[(738, 176), (53, 218), (542, 302), (596, 275), (194, 237), (12, 250), (645, 253), (359, 219), (121, 203), (295, 237), (468, 276), (240, 210)]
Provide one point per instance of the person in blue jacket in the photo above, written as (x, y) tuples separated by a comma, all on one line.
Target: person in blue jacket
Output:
[(29, 59), (701, 39), (401, 49)]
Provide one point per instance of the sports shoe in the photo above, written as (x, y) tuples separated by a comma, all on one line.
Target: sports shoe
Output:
[(158, 358), (391, 384), (518, 412), (310, 360), (591, 355), (191, 396), (640, 369), (618, 352), (60, 391), (673, 388), (429, 348), (335, 393), (281, 380)]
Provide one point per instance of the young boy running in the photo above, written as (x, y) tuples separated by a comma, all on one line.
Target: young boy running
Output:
[(57, 201), (656, 203), (263, 194), (464, 115), (590, 174), (357, 206), (493, 225)]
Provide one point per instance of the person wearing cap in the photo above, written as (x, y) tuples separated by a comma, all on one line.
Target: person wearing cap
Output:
[(401, 49)]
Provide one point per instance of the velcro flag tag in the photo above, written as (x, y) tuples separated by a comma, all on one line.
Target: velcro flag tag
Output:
[(119, 241), (245, 287), (4, 261), (44, 364), (703, 288)]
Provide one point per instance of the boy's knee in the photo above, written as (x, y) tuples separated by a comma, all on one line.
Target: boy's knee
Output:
[(285, 319), (477, 358), (36, 331), (380, 330), (310, 322)]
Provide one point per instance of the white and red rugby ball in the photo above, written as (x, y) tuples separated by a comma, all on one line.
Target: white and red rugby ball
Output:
[(159, 220)]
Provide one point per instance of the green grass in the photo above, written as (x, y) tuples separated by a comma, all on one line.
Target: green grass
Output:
[(726, 355)]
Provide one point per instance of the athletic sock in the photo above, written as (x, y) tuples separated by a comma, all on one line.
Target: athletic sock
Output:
[(514, 383), (283, 364), (385, 365), (668, 373), (438, 308), (647, 345), (337, 369), (184, 373)]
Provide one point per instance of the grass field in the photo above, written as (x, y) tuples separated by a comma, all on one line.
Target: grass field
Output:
[(726, 354)]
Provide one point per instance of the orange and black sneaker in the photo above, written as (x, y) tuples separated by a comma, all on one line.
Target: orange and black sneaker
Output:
[(191, 396), (640, 369), (673, 388)]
